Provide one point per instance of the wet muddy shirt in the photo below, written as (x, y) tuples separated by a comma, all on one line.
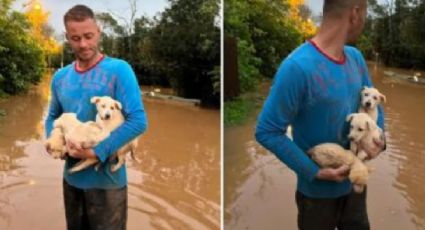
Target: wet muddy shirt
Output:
[(314, 94), (71, 91)]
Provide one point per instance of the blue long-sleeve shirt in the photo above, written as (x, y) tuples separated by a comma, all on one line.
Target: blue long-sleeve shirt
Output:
[(314, 94), (71, 91)]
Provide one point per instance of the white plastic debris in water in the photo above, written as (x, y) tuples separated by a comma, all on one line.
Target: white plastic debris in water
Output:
[(19, 143)]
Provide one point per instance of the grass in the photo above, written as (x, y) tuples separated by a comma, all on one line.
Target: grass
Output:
[(238, 110)]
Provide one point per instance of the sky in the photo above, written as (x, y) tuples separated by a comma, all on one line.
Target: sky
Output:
[(148, 8), (316, 5), (57, 8)]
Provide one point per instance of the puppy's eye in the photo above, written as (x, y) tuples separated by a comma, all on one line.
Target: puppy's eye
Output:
[(103, 106), (112, 108), (360, 129), (366, 94), (375, 98)]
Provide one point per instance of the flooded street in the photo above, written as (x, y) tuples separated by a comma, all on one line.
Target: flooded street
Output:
[(259, 190), (176, 186)]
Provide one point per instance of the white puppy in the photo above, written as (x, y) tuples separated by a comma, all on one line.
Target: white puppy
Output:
[(82, 135), (364, 135), (370, 99), (55, 144), (110, 117), (66, 122)]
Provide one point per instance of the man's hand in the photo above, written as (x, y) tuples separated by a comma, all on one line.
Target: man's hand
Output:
[(338, 174), (75, 151)]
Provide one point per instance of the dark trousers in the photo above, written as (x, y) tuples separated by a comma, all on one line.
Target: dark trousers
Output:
[(343, 213), (92, 209)]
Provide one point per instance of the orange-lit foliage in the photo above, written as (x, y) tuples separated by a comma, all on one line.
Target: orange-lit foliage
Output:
[(37, 17), (306, 26)]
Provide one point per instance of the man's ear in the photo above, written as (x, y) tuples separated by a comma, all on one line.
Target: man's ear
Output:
[(354, 14), (99, 29)]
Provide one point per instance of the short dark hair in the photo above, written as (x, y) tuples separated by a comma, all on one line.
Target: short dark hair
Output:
[(78, 13), (338, 6)]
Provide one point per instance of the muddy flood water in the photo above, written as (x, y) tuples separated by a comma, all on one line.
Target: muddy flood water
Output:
[(259, 190), (176, 186)]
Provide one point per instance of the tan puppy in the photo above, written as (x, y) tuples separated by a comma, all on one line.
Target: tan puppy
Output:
[(55, 144), (110, 117), (66, 122), (330, 155), (82, 135), (370, 99), (364, 135)]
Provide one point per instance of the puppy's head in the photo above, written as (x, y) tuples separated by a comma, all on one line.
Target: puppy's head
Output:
[(106, 107), (360, 125), (371, 97)]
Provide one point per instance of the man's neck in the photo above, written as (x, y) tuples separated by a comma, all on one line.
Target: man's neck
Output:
[(84, 65), (331, 39)]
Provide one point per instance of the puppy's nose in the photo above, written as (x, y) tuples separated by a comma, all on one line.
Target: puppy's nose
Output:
[(351, 138), (107, 116), (368, 104)]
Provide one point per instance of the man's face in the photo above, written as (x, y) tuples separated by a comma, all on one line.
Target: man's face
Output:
[(357, 22), (83, 37)]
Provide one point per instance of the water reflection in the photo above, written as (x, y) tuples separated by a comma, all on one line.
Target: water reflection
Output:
[(176, 186), (259, 190)]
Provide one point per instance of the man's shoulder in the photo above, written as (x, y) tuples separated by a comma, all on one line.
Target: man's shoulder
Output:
[(300, 57), (352, 51), (63, 71), (116, 62), (355, 54), (117, 67), (301, 52)]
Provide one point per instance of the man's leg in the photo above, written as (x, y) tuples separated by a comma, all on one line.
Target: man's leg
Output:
[(76, 217), (315, 213), (107, 209), (354, 212)]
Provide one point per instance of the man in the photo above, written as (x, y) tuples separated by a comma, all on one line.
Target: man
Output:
[(314, 89), (95, 199)]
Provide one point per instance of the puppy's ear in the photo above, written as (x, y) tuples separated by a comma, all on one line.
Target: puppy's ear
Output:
[(95, 100), (57, 124), (349, 118), (118, 105), (368, 126), (48, 147), (383, 98)]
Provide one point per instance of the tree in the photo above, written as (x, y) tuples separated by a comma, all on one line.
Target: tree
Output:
[(396, 32), (266, 31), (185, 46), (40, 30), (21, 58)]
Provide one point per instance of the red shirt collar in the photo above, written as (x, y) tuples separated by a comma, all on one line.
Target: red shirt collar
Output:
[(339, 62), (91, 67)]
